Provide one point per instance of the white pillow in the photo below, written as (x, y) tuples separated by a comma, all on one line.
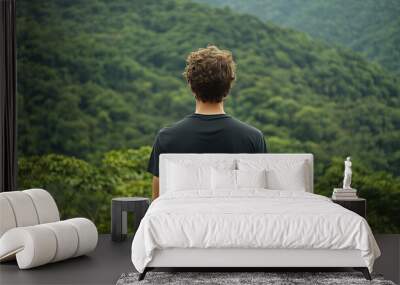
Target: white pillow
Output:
[(282, 174), (193, 174), (183, 178), (223, 179), (292, 179), (251, 178), (219, 163), (228, 179)]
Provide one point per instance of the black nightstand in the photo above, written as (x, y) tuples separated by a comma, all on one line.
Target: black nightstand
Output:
[(358, 205), (119, 209)]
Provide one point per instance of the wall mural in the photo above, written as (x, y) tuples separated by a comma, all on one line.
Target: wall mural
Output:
[(97, 79)]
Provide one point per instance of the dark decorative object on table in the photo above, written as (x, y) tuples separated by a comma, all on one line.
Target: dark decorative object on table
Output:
[(119, 209), (357, 205)]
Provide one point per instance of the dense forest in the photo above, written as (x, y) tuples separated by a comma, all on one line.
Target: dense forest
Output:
[(97, 79), (367, 26)]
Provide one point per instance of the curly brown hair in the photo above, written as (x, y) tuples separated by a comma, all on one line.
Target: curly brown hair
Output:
[(210, 73)]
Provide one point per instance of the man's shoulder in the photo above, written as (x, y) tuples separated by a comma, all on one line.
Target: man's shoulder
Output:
[(246, 127), (174, 128), (232, 123)]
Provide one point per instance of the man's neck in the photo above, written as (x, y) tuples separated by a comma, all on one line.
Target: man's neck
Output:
[(209, 108)]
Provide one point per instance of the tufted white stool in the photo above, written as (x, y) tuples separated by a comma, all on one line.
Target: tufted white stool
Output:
[(31, 230)]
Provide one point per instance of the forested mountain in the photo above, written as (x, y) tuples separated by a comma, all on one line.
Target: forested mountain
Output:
[(100, 75), (368, 26)]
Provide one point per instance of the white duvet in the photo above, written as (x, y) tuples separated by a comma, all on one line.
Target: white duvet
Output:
[(250, 219)]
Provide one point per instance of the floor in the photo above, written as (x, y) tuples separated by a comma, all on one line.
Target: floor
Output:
[(103, 266), (110, 260), (389, 262)]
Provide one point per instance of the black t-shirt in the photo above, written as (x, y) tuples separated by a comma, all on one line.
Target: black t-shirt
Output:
[(198, 133)]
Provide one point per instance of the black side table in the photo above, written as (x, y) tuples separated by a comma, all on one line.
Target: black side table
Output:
[(357, 205), (119, 209)]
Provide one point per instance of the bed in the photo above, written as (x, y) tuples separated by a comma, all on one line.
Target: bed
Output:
[(247, 210)]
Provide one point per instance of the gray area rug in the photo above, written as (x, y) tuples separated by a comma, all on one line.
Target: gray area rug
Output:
[(236, 278)]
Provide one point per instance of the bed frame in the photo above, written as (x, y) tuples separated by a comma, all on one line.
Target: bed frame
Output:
[(241, 259), (245, 259)]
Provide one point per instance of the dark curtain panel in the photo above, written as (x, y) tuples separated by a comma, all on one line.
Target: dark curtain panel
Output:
[(8, 128)]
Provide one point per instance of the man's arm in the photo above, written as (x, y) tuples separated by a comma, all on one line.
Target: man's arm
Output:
[(156, 187), (153, 167), (262, 145)]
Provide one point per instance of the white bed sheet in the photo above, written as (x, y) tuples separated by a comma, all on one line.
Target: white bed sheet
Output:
[(252, 218)]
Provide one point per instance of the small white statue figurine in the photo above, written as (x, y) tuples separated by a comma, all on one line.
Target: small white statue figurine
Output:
[(347, 174)]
